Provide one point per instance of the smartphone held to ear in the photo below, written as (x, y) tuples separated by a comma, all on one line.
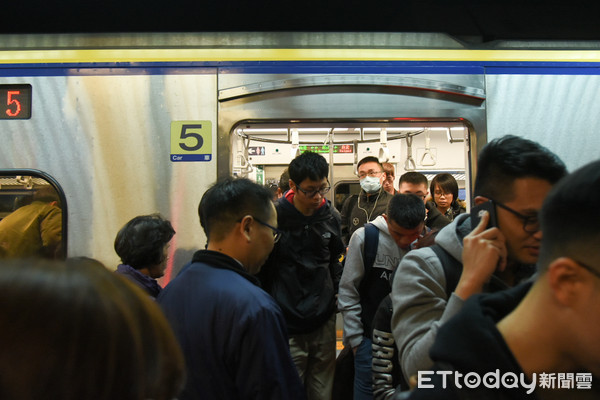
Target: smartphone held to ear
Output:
[(477, 211)]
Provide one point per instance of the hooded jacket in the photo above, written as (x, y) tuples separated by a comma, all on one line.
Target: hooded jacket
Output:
[(471, 342), (421, 304), (357, 302), (303, 271)]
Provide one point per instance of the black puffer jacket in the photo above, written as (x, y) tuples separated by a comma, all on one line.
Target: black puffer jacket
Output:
[(303, 271)]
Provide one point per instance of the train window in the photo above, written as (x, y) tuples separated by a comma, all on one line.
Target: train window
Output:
[(33, 214), (343, 190)]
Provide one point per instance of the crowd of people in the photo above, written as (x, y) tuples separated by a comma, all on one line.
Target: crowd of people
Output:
[(435, 302)]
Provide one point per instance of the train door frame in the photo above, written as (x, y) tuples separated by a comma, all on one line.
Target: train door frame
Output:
[(252, 94)]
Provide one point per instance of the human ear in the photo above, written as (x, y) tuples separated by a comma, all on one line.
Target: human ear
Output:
[(480, 200), (246, 227), (567, 281)]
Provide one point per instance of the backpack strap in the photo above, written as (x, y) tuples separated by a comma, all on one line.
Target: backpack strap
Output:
[(370, 246), (452, 267), (347, 208)]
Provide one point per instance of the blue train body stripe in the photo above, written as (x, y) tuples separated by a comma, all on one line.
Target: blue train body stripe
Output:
[(303, 67)]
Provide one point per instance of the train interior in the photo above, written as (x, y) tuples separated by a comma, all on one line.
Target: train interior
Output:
[(19, 190), (262, 151)]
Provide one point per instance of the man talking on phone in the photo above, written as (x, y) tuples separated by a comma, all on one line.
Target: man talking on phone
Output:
[(431, 284)]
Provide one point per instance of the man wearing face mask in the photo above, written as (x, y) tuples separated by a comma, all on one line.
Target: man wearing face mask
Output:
[(371, 202)]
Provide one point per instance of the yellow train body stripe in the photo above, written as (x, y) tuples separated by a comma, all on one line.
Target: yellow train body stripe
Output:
[(231, 55)]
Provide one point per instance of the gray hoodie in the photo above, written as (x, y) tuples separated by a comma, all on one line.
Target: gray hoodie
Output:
[(349, 299), (419, 297)]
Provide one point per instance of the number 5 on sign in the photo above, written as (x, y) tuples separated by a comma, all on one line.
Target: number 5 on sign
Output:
[(191, 141)]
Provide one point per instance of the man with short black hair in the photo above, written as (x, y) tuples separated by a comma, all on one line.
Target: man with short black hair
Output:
[(365, 281), (416, 183), (372, 200), (431, 286), (284, 184), (303, 271), (545, 332), (232, 333)]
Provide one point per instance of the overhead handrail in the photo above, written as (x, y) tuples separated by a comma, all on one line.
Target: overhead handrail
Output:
[(432, 158), (398, 136), (26, 181), (409, 164), (384, 151), (355, 155), (295, 150), (243, 163)]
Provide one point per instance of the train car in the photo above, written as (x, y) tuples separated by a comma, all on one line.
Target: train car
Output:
[(124, 125)]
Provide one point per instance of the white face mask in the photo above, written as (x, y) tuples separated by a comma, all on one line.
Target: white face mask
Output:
[(370, 184)]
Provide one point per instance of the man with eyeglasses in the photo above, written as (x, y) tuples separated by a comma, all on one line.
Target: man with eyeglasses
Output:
[(303, 271), (518, 174), (371, 202), (549, 327), (232, 333), (413, 182)]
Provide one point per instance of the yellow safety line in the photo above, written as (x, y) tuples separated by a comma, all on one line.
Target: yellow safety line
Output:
[(211, 55)]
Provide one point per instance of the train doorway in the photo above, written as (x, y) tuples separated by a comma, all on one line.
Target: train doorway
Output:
[(429, 123)]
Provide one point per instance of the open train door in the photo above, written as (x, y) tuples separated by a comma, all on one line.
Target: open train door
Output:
[(422, 122)]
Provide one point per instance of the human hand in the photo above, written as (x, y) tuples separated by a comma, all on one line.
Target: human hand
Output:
[(484, 252)]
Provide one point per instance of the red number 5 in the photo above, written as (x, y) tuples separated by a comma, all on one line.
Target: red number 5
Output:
[(10, 100)]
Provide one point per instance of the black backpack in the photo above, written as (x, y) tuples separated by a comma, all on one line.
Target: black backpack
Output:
[(370, 246), (344, 374)]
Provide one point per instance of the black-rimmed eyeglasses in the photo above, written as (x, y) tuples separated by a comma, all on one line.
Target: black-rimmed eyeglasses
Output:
[(312, 193), (276, 232), (585, 266), (531, 223)]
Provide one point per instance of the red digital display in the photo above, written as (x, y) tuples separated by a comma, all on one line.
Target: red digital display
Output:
[(15, 101)]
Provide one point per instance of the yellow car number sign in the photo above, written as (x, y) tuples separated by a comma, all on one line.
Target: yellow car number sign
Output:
[(191, 141)]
